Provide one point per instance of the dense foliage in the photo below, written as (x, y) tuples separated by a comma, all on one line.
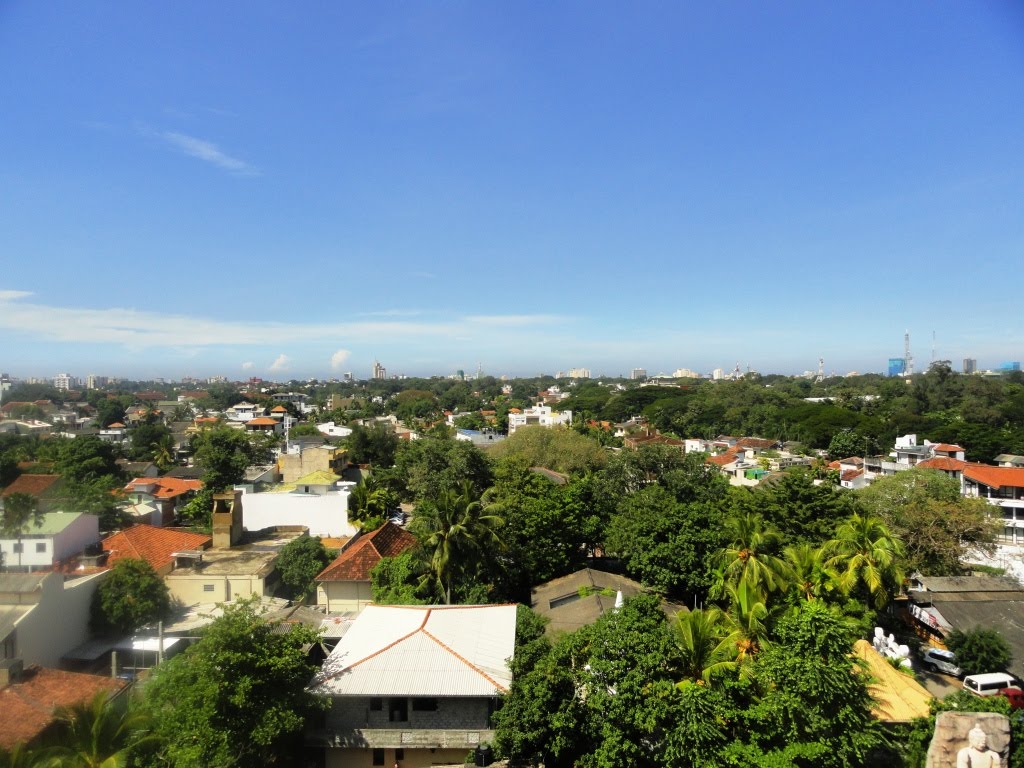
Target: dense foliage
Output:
[(130, 596), (980, 650), (298, 563)]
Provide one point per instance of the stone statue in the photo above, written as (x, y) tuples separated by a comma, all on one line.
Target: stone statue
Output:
[(977, 754)]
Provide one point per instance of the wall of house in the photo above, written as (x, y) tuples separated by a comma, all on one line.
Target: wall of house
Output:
[(453, 713), (410, 758), (81, 532), (59, 622), (73, 540), (323, 515), (341, 596), (192, 588)]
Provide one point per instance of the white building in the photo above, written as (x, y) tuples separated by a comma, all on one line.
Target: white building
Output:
[(242, 412), (42, 616), (415, 685), (334, 430), (539, 415), (64, 381), (579, 373), (317, 501), (638, 373), (57, 537)]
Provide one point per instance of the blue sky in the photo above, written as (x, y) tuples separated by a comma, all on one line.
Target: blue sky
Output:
[(295, 189)]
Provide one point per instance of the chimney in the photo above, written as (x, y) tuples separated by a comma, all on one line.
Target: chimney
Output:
[(227, 519), (10, 671)]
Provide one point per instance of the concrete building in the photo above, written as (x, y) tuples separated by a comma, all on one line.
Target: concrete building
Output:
[(538, 415), (53, 539), (42, 616), (638, 374), (317, 502), (344, 585), (415, 685), (379, 371), (305, 461), (64, 381), (970, 365)]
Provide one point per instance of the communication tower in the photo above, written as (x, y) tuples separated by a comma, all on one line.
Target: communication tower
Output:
[(908, 359), (821, 371)]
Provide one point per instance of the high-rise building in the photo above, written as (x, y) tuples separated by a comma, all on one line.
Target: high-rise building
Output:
[(717, 374), (92, 381), (638, 374), (897, 366), (63, 381), (1011, 366), (579, 373), (379, 371), (970, 365)]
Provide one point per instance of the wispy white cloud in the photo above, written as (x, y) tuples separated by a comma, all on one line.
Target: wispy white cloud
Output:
[(208, 152), (247, 365), (281, 363), (338, 358), (141, 329)]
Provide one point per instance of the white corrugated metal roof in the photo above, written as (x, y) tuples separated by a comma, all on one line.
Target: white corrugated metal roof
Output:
[(423, 651)]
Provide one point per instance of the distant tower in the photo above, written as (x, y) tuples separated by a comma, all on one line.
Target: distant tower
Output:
[(479, 371), (933, 347), (821, 371), (908, 359)]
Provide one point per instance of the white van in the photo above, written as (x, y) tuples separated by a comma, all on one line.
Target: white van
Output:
[(988, 684)]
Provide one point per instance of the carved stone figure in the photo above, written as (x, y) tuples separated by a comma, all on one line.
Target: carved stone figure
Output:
[(977, 754)]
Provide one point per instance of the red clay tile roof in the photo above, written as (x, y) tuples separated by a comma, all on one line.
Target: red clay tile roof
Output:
[(755, 442), (29, 703), (850, 474), (166, 487), (995, 477), (356, 562), (722, 459), (34, 485), (279, 409), (262, 421), (115, 425), (946, 448), (154, 545), (944, 463)]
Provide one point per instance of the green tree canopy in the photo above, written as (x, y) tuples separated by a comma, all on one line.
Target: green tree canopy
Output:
[(298, 563), (237, 697), (224, 454), (937, 525), (132, 595), (980, 650), (557, 448)]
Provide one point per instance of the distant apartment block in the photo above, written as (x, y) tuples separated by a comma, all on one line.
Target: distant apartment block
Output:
[(584, 373), (92, 381), (379, 371), (970, 365), (64, 381), (638, 374)]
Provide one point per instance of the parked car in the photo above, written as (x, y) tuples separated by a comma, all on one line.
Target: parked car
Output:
[(989, 684), (939, 660), (1015, 695)]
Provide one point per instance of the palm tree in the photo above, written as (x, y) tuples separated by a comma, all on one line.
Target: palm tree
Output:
[(454, 532), (705, 642), (20, 756), (867, 556), (100, 734), (163, 452), (749, 558), (749, 619), (809, 575)]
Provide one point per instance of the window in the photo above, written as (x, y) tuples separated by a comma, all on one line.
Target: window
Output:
[(376, 705), (18, 548), (424, 705), (378, 757), (41, 547), (207, 587), (399, 754)]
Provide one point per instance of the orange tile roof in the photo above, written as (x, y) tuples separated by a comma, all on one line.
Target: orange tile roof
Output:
[(356, 562), (262, 421), (115, 425), (34, 485), (154, 545), (166, 487), (28, 704), (944, 463), (851, 474), (279, 409), (947, 448), (995, 477), (755, 442), (723, 458)]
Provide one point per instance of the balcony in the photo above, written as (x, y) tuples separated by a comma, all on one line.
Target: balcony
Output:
[(400, 738)]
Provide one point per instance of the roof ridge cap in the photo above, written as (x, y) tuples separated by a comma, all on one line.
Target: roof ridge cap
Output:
[(465, 661)]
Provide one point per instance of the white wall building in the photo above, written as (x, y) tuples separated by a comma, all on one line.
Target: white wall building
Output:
[(58, 536), (334, 430), (318, 504), (43, 617), (539, 415)]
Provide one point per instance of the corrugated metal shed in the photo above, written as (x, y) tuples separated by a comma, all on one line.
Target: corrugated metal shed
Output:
[(423, 651)]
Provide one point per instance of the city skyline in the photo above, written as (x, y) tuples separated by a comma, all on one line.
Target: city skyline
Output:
[(296, 192)]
